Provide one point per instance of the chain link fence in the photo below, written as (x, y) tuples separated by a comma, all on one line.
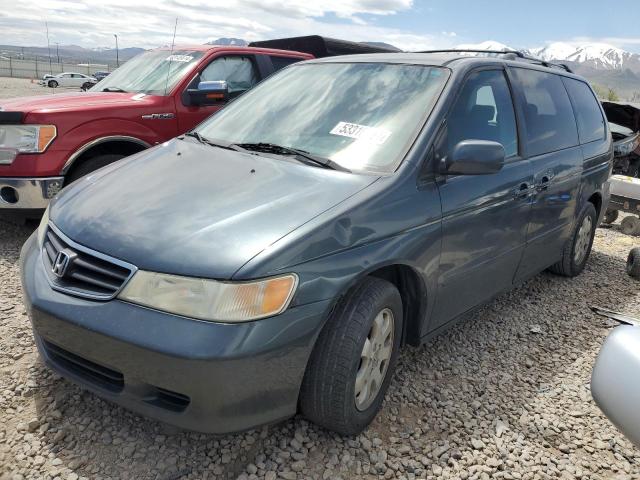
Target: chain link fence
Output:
[(39, 66)]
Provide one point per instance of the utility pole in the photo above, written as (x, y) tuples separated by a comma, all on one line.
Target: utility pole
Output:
[(58, 52), (48, 47), (117, 59)]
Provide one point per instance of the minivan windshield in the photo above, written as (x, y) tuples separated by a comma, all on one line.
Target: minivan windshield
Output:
[(154, 72), (362, 116)]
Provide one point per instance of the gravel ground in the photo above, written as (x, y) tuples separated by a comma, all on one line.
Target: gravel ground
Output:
[(504, 394), (20, 87)]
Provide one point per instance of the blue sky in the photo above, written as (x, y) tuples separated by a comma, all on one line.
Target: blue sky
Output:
[(408, 24), (523, 24)]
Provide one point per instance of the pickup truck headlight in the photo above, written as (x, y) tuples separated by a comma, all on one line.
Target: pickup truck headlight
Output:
[(16, 139), (211, 300)]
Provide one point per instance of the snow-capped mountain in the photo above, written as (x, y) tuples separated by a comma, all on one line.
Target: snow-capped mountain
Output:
[(488, 45), (595, 55), (598, 55)]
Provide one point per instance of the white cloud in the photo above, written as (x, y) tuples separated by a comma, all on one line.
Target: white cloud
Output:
[(149, 23)]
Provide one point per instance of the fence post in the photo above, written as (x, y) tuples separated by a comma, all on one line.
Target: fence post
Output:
[(37, 74), (10, 67)]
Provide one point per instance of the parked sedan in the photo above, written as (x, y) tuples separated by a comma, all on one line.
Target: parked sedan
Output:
[(100, 75), (69, 79)]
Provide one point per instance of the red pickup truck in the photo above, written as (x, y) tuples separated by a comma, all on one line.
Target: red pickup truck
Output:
[(47, 142)]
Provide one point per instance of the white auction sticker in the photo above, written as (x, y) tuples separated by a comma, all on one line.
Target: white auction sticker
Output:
[(361, 132), (179, 58)]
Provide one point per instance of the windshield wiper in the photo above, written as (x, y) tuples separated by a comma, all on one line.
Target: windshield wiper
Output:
[(113, 89), (281, 150), (206, 141)]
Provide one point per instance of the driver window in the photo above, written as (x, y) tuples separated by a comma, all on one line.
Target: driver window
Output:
[(239, 73), (484, 111)]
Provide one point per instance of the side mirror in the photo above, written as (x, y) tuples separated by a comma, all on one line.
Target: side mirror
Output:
[(209, 93), (614, 384), (474, 157)]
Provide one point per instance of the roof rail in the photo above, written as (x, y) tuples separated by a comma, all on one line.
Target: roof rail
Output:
[(515, 53)]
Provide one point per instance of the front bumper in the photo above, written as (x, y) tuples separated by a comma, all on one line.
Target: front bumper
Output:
[(28, 193), (203, 376)]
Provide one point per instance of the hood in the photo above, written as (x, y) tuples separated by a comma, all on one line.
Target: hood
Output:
[(627, 116), (71, 101), (191, 209)]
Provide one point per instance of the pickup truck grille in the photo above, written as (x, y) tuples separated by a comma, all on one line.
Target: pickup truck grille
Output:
[(80, 271)]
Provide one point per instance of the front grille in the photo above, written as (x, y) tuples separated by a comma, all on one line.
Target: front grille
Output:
[(89, 274), (93, 373)]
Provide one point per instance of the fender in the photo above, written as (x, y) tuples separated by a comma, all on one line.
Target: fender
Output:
[(110, 138)]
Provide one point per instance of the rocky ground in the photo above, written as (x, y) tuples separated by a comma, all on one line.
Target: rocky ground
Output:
[(504, 394)]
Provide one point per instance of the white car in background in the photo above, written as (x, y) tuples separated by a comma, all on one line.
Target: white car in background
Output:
[(69, 79)]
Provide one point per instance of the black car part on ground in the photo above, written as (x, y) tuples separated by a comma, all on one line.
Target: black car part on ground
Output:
[(626, 147), (322, 46)]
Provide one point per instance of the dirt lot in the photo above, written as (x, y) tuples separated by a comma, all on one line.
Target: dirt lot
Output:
[(20, 87), (504, 394)]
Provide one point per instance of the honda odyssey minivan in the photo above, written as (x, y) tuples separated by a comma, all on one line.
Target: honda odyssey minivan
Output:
[(275, 259)]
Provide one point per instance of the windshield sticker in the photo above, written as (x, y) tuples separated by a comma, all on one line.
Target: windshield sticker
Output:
[(179, 58), (361, 132)]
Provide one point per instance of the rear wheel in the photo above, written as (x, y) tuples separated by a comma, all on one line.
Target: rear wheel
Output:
[(630, 225), (52, 84), (633, 263), (91, 164), (577, 249), (354, 358)]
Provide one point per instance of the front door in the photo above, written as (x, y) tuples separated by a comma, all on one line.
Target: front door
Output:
[(484, 217), (552, 146), (239, 71)]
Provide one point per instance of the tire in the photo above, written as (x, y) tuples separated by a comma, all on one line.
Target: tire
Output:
[(572, 262), (86, 86), (92, 164), (630, 225), (328, 393), (610, 216), (52, 84), (633, 263)]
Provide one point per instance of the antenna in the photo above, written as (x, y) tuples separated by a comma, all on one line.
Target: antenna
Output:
[(173, 42)]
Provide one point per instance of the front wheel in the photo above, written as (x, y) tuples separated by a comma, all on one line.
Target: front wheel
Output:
[(354, 358), (633, 263), (91, 164), (53, 84), (577, 249)]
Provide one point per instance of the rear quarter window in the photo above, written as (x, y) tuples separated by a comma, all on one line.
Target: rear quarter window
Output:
[(587, 111), (549, 118), (281, 62)]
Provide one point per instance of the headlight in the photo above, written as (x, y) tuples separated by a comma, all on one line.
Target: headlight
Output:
[(42, 228), (16, 139), (210, 299)]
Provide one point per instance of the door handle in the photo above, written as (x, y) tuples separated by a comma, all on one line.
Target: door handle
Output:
[(522, 191), (544, 181)]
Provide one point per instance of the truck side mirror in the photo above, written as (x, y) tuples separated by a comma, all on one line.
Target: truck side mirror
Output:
[(209, 93), (474, 157)]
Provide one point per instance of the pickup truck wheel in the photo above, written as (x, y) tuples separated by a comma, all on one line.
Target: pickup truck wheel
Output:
[(91, 164), (52, 84), (354, 357), (630, 225), (610, 216), (577, 249), (633, 263)]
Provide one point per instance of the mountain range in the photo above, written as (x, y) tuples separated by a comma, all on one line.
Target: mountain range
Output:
[(603, 65)]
